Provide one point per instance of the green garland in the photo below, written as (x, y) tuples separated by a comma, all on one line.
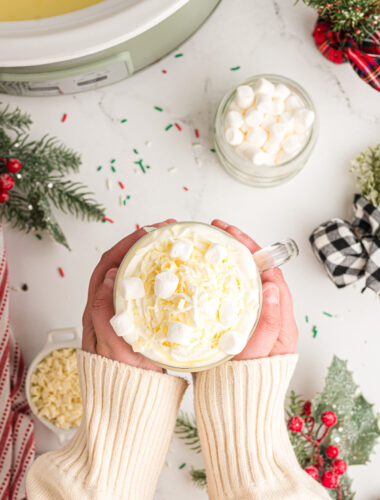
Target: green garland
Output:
[(355, 433), (40, 185), (359, 18)]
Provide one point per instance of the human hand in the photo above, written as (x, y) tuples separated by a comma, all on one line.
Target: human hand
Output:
[(277, 331), (98, 334)]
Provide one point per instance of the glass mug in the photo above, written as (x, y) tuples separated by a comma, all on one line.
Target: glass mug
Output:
[(267, 258)]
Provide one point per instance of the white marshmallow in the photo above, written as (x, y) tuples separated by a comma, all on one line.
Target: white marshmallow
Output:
[(244, 128), (264, 103), (234, 119), (292, 144), (257, 137), (265, 87), (181, 249), (232, 343), (282, 157), (268, 122), (179, 333), (277, 132), (216, 253), (253, 117), (293, 102), (247, 263), (278, 106), (122, 323), (288, 120), (304, 119), (272, 146), (281, 91), (228, 313), (244, 96), (247, 150), (234, 136), (132, 288), (165, 284), (261, 158)]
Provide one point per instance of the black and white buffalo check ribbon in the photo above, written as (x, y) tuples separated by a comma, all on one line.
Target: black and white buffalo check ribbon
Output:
[(350, 251)]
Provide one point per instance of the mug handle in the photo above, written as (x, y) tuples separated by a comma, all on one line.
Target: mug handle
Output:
[(275, 255)]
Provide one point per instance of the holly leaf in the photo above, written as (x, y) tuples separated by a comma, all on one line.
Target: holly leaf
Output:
[(346, 487), (338, 392), (357, 434)]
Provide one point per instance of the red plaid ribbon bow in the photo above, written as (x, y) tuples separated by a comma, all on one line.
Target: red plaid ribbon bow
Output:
[(339, 47)]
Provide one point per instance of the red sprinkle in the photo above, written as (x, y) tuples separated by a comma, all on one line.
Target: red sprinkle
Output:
[(64, 118), (138, 226), (164, 71), (196, 133), (178, 126), (121, 185), (60, 270), (107, 219), (185, 188)]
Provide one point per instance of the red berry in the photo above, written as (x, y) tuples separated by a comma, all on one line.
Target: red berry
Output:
[(307, 408), (295, 424), (339, 466), (332, 451), (13, 165), (328, 418), (312, 471), (4, 196), (6, 182), (330, 480)]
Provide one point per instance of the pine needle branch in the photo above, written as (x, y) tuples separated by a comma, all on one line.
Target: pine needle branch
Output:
[(15, 119), (199, 477), (186, 429), (367, 169)]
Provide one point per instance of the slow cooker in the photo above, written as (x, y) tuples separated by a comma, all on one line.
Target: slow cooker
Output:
[(94, 46)]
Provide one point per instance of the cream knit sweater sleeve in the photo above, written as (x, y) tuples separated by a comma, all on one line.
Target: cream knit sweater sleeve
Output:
[(240, 414), (120, 447)]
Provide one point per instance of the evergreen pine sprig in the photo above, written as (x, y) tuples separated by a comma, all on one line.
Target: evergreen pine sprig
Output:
[(199, 477), (186, 428), (359, 18), (40, 184), (367, 169), (302, 448)]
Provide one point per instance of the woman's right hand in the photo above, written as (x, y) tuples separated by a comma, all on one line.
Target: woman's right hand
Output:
[(277, 332)]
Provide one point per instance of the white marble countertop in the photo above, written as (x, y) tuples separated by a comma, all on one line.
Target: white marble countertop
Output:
[(272, 37)]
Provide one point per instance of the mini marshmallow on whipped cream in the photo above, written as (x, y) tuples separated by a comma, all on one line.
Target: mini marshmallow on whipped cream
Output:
[(268, 124), (187, 296)]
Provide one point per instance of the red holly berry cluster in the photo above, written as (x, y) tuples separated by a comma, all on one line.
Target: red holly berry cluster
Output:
[(7, 182), (327, 471)]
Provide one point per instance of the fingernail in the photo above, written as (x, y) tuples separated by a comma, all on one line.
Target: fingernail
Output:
[(272, 294), (109, 278)]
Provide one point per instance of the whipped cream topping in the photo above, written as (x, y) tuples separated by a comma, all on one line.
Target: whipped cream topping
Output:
[(200, 284)]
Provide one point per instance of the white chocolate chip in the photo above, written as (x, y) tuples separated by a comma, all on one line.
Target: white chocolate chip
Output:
[(132, 288), (216, 253), (244, 96), (228, 313), (264, 103), (265, 87), (232, 343), (253, 117), (179, 333), (165, 284), (257, 137), (234, 119), (234, 136), (181, 249)]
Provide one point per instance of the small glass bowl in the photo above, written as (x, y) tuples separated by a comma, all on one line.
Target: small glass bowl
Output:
[(262, 175)]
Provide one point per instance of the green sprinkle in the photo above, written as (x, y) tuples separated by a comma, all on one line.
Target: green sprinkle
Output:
[(158, 108), (235, 68), (141, 165), (148, 166), (178, 55), (113, 168), (124, 120), (182, 465), (113, 160), (103, 221), (307, 319), (315, 331), (38, 236), (128, 197), (124, 202), (169, 127), (99, 168), (327, 314), (213, 150), (135, 151)]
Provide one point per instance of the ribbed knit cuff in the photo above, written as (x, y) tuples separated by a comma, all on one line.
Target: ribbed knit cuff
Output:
[(240, 414), (129, 418)]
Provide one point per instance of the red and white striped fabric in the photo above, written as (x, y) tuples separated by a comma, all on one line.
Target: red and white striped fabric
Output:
[(16, 423)]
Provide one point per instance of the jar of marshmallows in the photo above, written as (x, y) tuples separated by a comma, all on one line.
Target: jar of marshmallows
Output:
[(265, 130)]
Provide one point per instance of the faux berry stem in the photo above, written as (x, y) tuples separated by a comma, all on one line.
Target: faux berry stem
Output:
[(323, 435), (339, 492)]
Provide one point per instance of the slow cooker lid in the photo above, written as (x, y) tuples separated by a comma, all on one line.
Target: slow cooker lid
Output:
[(80, 33)]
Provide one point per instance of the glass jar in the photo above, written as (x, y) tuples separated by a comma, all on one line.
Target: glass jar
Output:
[(262, 175)]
